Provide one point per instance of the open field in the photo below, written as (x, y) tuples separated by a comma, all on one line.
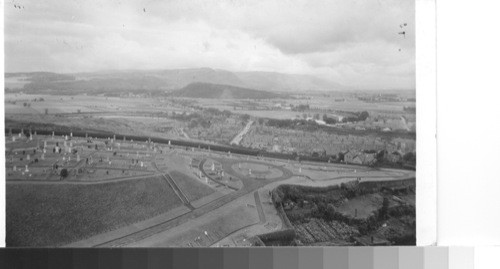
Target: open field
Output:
[(259, 171), (218, 224), (361, 206), (48, 215), (191, 187)]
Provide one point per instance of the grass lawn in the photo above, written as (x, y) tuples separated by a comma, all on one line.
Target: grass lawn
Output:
[(365, 204), (51, 215), (191, 187)]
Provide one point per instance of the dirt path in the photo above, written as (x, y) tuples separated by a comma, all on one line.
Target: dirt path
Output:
[(177, 191), (173, 185), (209, 177), (405, 124), (262, 217)]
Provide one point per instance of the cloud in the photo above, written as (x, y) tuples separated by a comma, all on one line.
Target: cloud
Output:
[(352, 42)]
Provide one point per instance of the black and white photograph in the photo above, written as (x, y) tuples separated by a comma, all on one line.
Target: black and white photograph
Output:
[(215, 123)]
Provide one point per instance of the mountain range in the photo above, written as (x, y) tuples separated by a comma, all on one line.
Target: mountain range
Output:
[(173, 79)]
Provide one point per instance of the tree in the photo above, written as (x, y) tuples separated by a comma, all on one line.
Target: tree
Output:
[(340, 156), (321, 207), (384, 209), (380, 155), (245, 117), (363, 116), (330, 212), (410, 157), (64, 173)]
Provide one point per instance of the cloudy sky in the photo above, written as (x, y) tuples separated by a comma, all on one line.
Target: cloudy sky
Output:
[(352, 42)]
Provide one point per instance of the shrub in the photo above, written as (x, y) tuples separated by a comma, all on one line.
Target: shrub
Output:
[(64, 173)]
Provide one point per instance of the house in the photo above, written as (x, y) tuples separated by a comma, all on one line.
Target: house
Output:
[(276, 148), (357, 157), (353, 156), (370, 158)]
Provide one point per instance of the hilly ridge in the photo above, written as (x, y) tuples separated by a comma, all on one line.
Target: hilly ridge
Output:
[(221, 91), (169, 80)]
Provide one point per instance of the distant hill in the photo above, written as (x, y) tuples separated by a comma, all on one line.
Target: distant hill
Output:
[(168, 80), (221, 91), (171, 79), (272, 81)]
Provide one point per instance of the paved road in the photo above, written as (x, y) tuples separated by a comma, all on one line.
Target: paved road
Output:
[(237, 139), (200, 166)]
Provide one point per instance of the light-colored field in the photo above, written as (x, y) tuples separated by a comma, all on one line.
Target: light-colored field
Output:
[(218, 224), (272, 222), (255, 170), (361, 206), (15, 82)]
